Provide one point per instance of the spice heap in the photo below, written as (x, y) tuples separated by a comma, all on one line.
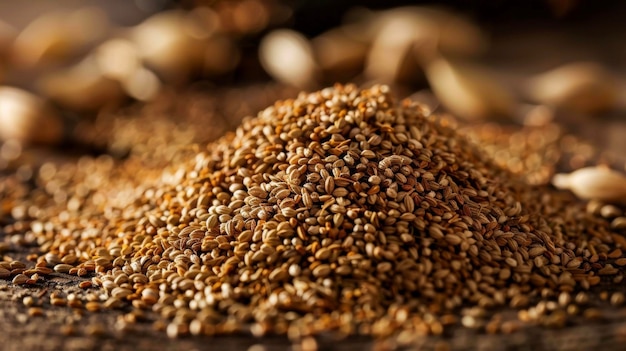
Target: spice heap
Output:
[(335, 211)]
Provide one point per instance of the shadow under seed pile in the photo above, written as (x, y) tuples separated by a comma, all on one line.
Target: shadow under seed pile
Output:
[(340, 210)]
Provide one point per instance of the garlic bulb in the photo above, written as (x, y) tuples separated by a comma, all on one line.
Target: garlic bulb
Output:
[(424, 31), (597, 183), (24, 117)]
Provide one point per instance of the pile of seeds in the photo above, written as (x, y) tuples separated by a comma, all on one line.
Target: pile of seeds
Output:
[(335, 211)]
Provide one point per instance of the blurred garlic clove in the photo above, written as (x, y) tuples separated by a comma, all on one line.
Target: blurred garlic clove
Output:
[(392, 46), (82, 87), (420, 30), (339, 55), (288, 57), (469, 91), (142, 85), (57, 36), (598, 183), (26, 118), (173, 43), (581, 87), (117, 58)]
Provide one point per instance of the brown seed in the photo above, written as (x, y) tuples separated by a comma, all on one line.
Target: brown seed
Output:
[(120, 293), (20, 279), (321, 271), (617, 299), (610, 211), (618, 223), (17, 265), (92, 306), (453, 239), (43, 270), (35, 312), (58, 302), (28, 301), (75, 303), (62, 268), (564, 299)]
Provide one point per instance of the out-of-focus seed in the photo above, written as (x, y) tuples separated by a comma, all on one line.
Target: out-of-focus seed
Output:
[(26, 118)]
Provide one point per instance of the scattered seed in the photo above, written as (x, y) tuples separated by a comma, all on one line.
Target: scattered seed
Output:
[(35, 312), (20, 279)]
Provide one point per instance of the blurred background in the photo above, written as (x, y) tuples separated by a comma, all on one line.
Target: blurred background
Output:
[(120, 77)]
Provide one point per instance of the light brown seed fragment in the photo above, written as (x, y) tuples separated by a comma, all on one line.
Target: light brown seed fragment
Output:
[(20, 279), (35, 312)]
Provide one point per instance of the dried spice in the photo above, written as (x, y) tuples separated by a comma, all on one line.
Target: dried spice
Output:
[(335, 211)]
